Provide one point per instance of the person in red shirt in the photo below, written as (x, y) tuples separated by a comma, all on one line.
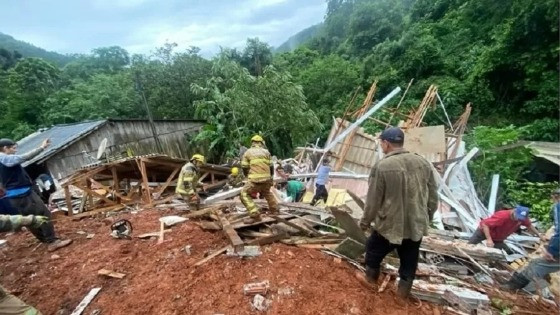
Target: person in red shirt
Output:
[(502, 224)]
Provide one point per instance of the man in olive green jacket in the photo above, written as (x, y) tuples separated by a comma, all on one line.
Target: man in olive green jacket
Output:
[(401, 201)]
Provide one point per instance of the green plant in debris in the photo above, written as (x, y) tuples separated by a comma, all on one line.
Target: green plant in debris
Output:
[(536, 195), (511, 164)]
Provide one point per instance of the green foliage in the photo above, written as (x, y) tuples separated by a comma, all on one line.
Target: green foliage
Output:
[(238, 105), (511, 164), (536, 195)]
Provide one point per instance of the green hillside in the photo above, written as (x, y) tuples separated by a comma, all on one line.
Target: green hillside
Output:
[(298, 39), (11, 44)]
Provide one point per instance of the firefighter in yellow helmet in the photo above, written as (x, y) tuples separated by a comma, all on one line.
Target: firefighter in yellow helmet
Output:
[(257, 165), (235, 179), (188, 181)]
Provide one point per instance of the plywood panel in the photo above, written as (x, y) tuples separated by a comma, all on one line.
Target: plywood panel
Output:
[(425, 140)]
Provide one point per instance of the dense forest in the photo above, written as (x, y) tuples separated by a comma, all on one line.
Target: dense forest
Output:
[(501, 56)]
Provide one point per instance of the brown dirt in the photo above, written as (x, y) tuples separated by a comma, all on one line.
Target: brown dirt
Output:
[(161, 279)]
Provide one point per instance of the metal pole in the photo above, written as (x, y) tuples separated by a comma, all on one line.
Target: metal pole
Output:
[(149, 112)]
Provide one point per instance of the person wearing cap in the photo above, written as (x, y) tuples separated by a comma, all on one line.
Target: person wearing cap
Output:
[(548, 262), (188, 181), (401, 201), (321, 192), (20, 193), (9, 304), (502, 224)]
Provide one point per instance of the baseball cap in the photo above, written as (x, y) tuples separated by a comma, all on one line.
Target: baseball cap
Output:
[(6, 142), (521, 213), (393, 135)]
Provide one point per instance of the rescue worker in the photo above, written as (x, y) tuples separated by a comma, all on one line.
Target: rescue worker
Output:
[(188, 181), (20, 193), (402, 199), (321, 192), (235, 179), (258, 167), (295, 190), (9, 304), (549, 262), (502, 224)]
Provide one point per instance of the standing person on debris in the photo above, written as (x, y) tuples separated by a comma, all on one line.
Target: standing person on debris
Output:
[(401, 201), (548, 263), (321, 192), (20, 193), (257, 166), (235, 179), (188, 181), (295, 190), (9, 304), (502, 224)]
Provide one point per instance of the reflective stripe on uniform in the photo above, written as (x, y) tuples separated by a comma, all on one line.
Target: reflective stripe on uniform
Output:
[(256, 161), (259, 176)]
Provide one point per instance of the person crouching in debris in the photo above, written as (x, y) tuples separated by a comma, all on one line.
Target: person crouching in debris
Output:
[(10, 304), (502, 224), (20, 193), (295, 190), (257, 165), (401, 201), (549, 262), (188, 181), (321, 192), (235, 179)]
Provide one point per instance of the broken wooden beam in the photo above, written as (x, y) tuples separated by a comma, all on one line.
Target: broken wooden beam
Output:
[(268, 239), (230, 232), (306, 230), (214, 254)]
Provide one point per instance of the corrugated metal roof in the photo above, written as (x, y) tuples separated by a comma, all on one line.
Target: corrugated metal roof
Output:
[(546, 150), (60, 135)]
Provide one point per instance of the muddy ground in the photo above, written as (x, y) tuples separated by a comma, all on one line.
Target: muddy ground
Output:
[(162, 278)]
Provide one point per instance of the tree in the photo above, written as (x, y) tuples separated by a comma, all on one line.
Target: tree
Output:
[(238, 105)]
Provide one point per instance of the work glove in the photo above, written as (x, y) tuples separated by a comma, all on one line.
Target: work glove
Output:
[(38, 220)]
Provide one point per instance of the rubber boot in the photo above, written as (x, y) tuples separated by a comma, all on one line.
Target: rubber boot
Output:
[(372, 274), (517, 282), (404, 288)]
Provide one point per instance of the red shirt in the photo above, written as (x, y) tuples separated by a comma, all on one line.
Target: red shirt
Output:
[(501, 225)]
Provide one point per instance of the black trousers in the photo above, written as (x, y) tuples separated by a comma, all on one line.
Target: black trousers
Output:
[(31, 204), (378, 247), (320, 193)]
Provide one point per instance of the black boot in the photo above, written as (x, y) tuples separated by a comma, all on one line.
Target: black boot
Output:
[(372, 274), (404, 288), (517, 282)]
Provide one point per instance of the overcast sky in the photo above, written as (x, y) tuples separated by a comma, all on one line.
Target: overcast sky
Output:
[(77, 26)]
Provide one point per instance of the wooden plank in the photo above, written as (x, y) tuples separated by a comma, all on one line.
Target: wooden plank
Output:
[(68, 198), (86, 301), (356, 199), (80, 177), (229, 231), (216, 184), (144, 173), (205, 211), (97, 211), (268, 239), (116, 186), (110, 273), (168, 181), (152, 234), (350, 226), (306, 230), (91, 192), (214, 254)]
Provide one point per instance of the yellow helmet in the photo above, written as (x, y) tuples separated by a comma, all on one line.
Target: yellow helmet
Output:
[(198, 157), (257, 138), (234, 171)]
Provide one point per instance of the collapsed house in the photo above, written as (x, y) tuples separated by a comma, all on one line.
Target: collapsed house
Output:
[(452, 272)]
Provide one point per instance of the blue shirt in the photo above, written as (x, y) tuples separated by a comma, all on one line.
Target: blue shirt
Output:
[(323, 175), (554, 244)]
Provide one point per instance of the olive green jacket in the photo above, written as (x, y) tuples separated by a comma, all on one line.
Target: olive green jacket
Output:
[(402, 197)]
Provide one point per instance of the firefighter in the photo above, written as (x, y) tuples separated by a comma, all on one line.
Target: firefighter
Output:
[(257, 166), (10, 304), (188, 181), (235, 179)]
